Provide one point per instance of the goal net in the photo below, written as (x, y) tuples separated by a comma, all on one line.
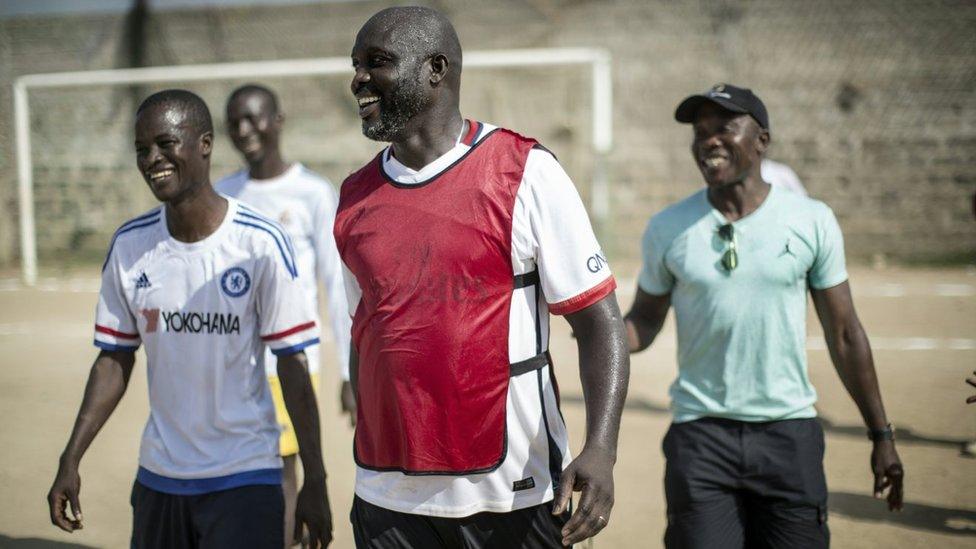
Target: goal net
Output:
[(77, 179)]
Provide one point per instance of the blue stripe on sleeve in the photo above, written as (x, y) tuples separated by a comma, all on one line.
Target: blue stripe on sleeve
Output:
[(284, 256), (295, 348), (251, 214), (131, 226), (140, 218), (112, 347)]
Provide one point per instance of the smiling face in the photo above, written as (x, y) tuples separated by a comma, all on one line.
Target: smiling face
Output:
[(389, 82), (727, 146), (254, 125), (173, 156)]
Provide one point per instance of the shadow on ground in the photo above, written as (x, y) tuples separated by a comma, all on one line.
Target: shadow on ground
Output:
[(8, 542), (903, 434), (915, 515)]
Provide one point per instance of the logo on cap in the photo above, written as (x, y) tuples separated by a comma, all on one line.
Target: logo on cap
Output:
[(718, 90)]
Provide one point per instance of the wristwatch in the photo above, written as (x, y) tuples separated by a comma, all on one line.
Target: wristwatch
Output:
[(888, 433)]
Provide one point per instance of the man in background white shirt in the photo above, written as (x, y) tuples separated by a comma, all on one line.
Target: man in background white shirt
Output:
[(304, 203), (780, 175)]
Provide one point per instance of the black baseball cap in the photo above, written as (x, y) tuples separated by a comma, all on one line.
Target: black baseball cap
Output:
[(727, 96)]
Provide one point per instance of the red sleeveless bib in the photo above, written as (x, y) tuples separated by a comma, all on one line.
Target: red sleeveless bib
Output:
[(434, 264)]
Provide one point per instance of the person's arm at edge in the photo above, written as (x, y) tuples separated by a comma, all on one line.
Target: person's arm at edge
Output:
[(850, 352), (312, 509), (645, 319), (107, 382), (330, 272), (604, 371)]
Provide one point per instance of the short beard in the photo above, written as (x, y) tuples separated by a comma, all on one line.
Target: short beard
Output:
[(405, 102)]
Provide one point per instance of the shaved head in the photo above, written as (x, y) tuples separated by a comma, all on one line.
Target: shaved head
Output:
[(258, 90), (193, 109), (423, 32)]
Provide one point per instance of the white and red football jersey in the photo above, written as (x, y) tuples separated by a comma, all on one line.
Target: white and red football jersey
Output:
[(552, 242)]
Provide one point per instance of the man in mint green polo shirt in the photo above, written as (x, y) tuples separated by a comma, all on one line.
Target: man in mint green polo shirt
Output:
[(735, 260)]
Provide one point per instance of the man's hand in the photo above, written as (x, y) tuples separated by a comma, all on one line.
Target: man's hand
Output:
[(348, 399), (312, 512), (888, 473), (971, 381), (64, 491), (107, 381), (592, 473)]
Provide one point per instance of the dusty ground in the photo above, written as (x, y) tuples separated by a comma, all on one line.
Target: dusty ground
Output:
[(922, 322)]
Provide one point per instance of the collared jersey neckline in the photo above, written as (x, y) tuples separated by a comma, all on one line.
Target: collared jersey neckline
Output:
[(405, 175)]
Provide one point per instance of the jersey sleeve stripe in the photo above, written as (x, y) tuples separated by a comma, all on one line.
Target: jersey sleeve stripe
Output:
[(284, 254), (289, 331), (295, 348), (112, 347), (251, 214), (130, 226), (142, 217), (585, 299), (115, 333)]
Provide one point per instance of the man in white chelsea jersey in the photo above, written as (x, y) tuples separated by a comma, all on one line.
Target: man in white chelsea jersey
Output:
[(205, 283), (304, 204)]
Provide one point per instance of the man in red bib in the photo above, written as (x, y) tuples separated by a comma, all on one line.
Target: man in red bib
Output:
[(459, 239)]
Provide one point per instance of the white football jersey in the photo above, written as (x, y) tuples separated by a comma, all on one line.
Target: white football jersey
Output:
[(781, 175), (205, 311), (551, 233), (304, 203)]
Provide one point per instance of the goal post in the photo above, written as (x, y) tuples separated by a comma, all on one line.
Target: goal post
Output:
[(596, 60)]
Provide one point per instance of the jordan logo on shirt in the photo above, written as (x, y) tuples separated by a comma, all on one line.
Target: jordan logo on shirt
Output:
[(143, 281), (787, 250)]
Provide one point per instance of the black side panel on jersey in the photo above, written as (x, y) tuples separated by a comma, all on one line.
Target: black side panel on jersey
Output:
[(555, 455)]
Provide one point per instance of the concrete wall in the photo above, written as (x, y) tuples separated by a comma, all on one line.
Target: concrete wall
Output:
[(871, 102)]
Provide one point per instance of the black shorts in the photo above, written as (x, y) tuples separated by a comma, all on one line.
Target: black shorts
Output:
[(733, 484), (249, 516), (530, 528)]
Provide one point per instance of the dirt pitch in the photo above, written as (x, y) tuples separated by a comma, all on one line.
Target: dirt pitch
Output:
[(922, 324)]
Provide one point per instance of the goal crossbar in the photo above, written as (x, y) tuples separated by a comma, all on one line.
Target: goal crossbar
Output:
[(598, 61)]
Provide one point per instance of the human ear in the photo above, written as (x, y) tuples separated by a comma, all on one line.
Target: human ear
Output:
[(206, 144), (762, 141), (439, 67)]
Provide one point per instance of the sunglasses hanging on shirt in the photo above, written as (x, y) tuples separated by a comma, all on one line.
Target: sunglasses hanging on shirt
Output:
[(730, 259)]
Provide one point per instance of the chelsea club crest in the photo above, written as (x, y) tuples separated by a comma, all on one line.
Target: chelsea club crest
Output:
[(235, 282)]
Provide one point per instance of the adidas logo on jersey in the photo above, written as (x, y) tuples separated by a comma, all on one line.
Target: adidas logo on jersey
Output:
[(143, 281)]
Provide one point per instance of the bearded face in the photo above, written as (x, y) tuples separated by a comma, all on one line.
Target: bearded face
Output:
[(388, 104)]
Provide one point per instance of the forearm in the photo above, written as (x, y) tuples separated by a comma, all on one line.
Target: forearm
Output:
[(604, 364), (641, 332), (299, 397), (106, 384), (850, 352), (645, 319)]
